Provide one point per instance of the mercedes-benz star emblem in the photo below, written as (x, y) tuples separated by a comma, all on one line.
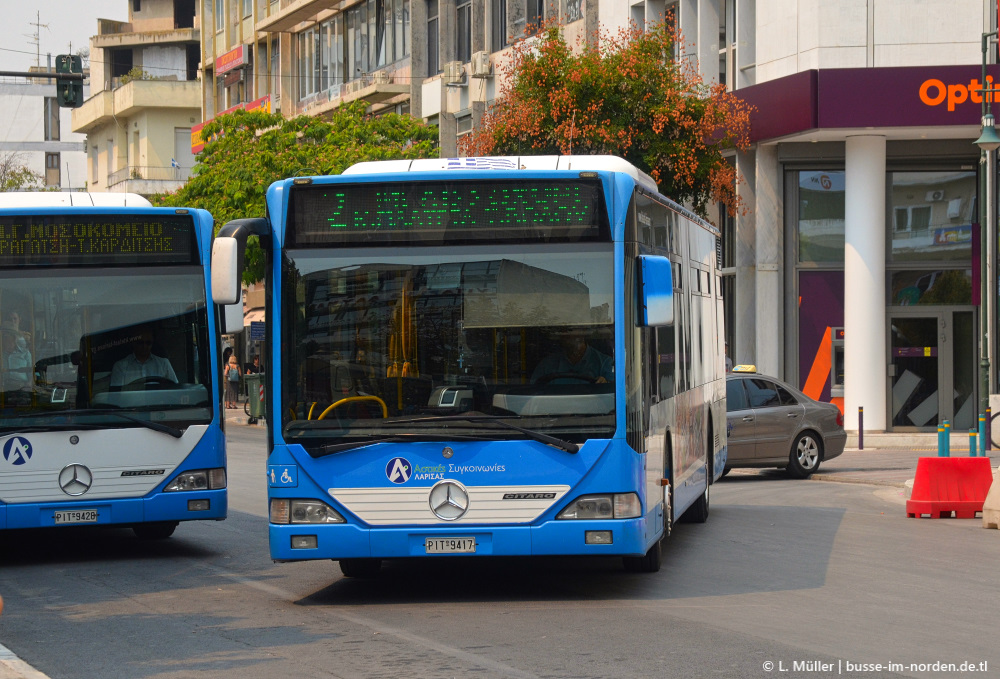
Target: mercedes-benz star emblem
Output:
[(449, 500), (75, 479)]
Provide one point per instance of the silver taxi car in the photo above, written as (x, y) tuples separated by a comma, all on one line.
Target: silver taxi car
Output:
[(771, 424)]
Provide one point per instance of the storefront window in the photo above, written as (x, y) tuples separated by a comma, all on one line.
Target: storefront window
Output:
[(910, 288), (932, 215), (821, 217)]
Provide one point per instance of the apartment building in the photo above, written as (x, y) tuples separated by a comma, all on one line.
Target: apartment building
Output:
[(38, 133), (145, 98)]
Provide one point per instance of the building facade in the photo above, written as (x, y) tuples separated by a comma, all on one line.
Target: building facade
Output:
[(855, 273), (39, 135), (145, 98)]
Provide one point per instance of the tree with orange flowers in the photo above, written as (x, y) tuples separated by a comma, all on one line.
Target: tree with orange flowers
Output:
[(628, 97)]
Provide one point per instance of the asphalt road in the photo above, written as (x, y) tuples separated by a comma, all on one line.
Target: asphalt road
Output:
[(784, 572)]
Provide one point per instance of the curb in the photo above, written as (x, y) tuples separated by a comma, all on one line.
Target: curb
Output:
[(12, 667)]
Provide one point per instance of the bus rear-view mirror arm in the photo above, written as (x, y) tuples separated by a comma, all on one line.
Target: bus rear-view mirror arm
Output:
[(228, 250)]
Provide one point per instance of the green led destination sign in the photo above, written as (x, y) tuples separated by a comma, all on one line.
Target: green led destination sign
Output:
[(448, 212), (96, 239)]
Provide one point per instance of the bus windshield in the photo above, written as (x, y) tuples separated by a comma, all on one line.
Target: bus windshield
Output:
[(381, 344), (83, 346)]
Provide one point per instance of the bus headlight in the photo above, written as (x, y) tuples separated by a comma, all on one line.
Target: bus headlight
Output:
[(303, 511), (610, 506), (198, 479)]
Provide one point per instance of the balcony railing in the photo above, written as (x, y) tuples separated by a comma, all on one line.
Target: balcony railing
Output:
[(149, 173)]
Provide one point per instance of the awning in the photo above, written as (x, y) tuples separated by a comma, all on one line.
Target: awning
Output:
[(253, 316)]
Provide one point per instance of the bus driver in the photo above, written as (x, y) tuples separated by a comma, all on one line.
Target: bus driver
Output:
[(575, 358), (141, 363)]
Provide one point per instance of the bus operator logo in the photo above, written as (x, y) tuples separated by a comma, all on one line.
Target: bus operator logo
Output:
[(17, 450), (398, 470)]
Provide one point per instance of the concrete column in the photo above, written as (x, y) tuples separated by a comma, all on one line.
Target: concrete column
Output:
[(745, 258), (769, 238), (447, 125), (864, 283), (418, 56)]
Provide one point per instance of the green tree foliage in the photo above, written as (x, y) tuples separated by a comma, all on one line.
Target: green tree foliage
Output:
[(628, 97), (246, 151), (15, 175)]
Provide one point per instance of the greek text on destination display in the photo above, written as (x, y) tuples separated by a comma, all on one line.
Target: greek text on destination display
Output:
[(56, 240)]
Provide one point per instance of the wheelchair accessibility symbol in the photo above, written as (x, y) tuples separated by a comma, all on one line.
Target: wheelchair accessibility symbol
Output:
[(282, 476)]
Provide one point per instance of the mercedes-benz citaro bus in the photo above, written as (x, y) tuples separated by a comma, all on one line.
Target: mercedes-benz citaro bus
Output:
[(484, 357), (109, 402)]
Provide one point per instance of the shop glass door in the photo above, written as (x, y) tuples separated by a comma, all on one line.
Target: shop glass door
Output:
[(932, 370)]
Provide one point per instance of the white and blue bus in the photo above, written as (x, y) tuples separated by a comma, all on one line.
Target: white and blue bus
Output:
[(109, 396), (485, 356)]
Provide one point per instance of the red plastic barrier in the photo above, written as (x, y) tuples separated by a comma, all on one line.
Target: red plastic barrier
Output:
[(947, 485)]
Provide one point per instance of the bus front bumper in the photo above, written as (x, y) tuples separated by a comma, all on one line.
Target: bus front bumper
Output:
[(184, 506), (552, 538)]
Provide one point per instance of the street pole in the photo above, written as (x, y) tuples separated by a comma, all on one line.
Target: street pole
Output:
[(988, 143)]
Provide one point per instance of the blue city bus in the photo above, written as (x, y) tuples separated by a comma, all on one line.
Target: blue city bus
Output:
[(485, 356), (109, 395)]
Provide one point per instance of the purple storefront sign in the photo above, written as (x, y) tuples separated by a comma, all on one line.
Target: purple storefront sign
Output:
[(908, 96)]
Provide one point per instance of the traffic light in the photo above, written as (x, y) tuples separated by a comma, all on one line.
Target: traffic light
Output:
[(69, 93)]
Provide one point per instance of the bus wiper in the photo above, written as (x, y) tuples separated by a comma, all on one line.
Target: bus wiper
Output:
[(111, 410), (568, 446), (335, 448)]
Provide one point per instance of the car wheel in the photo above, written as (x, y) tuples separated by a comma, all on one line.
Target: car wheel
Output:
[(160, 530), (650, 563), (807, 451), (360, 568), (725, 472)]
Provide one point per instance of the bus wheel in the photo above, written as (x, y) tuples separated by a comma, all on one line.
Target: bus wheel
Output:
[(650, 563), (360, 568), (698, 512), (158, 530)]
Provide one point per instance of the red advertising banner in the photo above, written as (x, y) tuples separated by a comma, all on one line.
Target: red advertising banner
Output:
[(197, 143), (262, 104), (230, 60)]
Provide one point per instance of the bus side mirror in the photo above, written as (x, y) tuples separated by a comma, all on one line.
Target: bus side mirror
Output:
[(656, 291), (225, 271)]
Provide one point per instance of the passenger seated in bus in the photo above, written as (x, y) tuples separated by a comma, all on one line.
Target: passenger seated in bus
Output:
[(18, 371), (142, 364), (576, 361)]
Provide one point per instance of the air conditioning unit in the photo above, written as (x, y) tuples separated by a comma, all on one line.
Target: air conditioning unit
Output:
[(453, 73), (481, 66), (380, 78), (934, 196)]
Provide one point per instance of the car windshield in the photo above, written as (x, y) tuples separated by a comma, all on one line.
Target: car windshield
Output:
[(381, 345), (79, 344)]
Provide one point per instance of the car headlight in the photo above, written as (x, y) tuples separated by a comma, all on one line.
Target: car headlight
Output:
[(610, 506), (198, 479), (303, 511)]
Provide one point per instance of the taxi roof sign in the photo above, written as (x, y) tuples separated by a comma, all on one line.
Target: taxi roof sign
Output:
[(744, 368)]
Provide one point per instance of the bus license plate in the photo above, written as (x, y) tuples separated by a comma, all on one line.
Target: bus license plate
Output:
[(77, 516), (450, 545)]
